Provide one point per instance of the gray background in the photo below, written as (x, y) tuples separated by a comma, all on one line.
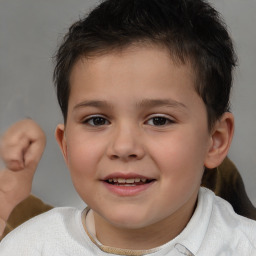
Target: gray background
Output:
[(29, 33)]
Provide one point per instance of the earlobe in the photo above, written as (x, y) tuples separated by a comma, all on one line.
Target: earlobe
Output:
[(61, 139), (221, 138)]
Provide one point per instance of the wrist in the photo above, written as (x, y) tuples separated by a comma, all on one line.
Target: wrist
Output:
[(2, 226), (8, 206)]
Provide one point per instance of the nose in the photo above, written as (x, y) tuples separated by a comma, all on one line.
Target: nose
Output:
[(126, 144)]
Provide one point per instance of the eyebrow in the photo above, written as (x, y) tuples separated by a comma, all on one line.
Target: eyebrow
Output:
[(145, 103), (93, 103)]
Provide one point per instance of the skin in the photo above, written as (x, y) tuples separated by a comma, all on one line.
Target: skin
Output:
[(21, 148), (135, 113)]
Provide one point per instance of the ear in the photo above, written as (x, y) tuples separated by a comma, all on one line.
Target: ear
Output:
[(221, 137), (61, 139)]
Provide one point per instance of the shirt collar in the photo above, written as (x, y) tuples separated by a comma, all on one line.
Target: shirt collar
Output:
[(191, 238)]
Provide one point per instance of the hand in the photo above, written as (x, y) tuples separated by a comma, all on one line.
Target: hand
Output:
[(21, 148)]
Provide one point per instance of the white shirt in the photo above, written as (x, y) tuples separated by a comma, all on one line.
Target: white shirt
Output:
[(214, 230)]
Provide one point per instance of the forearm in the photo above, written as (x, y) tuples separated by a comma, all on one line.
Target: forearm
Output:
[(7, 206), (3, 222), (2, 227)]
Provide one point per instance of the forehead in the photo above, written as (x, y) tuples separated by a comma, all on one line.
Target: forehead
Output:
[(145, 60)]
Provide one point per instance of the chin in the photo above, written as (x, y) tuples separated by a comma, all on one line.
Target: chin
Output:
[(128, 220)]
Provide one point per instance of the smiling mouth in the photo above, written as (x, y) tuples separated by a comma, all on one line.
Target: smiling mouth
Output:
[(128, 182)]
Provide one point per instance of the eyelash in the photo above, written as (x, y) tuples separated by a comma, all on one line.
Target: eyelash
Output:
[(162, 121)]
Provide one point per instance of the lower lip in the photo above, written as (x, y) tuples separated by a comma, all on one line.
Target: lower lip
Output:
[(127, 190)]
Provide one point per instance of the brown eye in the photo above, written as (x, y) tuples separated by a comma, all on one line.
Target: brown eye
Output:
[(96, 121), (159, 121)]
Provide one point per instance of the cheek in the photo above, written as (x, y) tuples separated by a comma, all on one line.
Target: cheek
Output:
[(82, 165), (181, 156), (81, 157)]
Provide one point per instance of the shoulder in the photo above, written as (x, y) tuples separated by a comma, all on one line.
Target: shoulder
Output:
[(43, 231), (223, 212), (228, 228), (49, 220)]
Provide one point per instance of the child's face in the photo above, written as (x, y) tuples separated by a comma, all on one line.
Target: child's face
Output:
[(134, 116)]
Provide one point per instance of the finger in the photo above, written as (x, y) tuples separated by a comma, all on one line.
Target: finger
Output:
[(23, 140), (33, 154), (15, 165), (13, 153)]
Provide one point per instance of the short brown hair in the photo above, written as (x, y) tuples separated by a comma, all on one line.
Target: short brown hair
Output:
[(191, 30)]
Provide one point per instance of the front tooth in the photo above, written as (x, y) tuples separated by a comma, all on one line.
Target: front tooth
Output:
[(130, 181), (121, 180)]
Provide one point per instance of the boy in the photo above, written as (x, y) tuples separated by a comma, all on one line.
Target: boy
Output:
[(144, 90)]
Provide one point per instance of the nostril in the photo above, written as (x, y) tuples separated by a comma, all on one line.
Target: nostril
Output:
[(114, 157), (131, 156)]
